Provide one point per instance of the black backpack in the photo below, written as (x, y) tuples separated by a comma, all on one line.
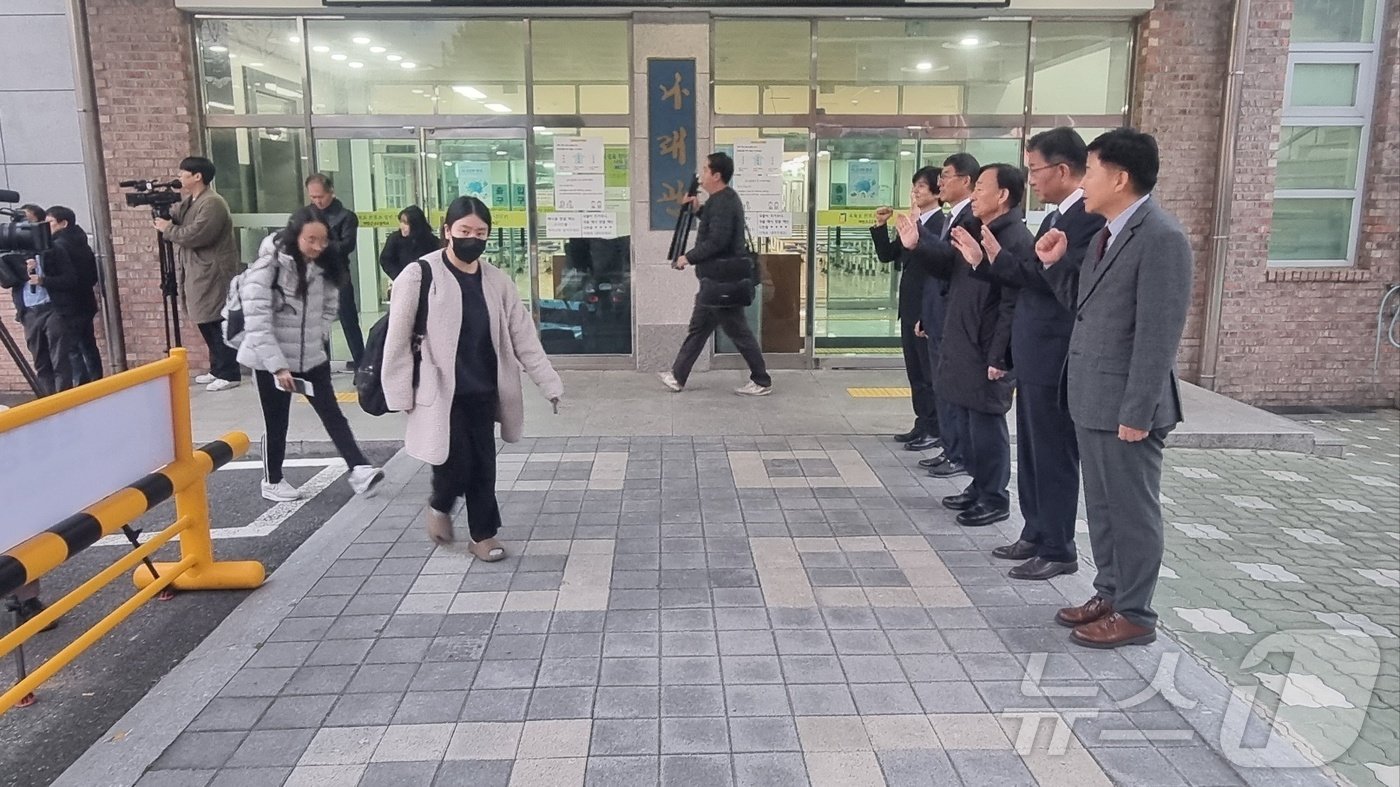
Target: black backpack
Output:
[(368, 386)]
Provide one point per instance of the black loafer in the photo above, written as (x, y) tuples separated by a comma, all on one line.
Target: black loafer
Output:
[(912, 434), (947, 470), (961, 501), (933, 462), (1021, 550), (923, 443), (1042, 569), (981, 516)]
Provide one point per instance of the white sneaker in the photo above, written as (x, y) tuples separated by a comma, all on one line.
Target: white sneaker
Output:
[(221, 385), (204, 379), (669, 380), (280, 492), (752, 388), (364, 478)]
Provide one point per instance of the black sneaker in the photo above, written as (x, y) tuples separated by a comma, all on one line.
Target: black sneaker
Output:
[(29, 609)]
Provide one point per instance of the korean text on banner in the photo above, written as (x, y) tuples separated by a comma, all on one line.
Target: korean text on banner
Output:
[(671, 137)]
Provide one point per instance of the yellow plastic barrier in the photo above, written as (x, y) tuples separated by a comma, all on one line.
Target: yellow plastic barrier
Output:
[(113, 412)]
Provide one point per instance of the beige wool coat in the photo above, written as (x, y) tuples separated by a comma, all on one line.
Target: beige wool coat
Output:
[(429, 406), (207, 253)]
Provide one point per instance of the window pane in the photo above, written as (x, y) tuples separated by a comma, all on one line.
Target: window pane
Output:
[(762, 67), (1334, 21), (1318, 157), (419, 67), (1324, 84), (259, 172), (888, 67), (580, 66), (250, 66), (1081, 68), (1310, 229)]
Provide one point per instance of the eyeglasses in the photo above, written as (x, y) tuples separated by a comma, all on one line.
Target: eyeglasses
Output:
[(1034, 170)]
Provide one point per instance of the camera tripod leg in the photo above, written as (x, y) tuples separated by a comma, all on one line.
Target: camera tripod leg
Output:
[(13, 605), (134, 536), (22, 363)]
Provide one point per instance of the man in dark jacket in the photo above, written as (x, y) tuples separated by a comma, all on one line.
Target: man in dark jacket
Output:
[(84, 357), (912, 277), (43, 303), (1047, 480), (345, 227), (974, 373), (719, 246)]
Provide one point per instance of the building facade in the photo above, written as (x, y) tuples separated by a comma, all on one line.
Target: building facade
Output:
[(579, 126)]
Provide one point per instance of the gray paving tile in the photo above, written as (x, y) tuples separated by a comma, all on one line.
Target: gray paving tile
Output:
[(266, 748), (770, 768), (399, 773), (250, 777), (713, 770), (690, 700), (199, 750), (478, 773), (756, 700), (374, 678), (623, 771), (917, 768), (496, 705), (694, 735), (176, 778), (562, 703), (361, 710), (627, 702), (429, 707), (1137, 765), (230, 713), (821, 700), (763, 734), (625, 736), (297, 712)]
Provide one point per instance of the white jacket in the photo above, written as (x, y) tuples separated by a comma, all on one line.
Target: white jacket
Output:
[(281, 329)]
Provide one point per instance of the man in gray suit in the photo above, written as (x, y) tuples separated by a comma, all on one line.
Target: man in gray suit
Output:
[(1134, 290)]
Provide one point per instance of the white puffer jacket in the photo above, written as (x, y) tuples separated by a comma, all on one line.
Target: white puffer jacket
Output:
[(281, 329)]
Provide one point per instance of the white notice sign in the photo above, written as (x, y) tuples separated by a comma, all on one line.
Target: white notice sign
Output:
[(599, 225), (563, 225), (578, 156), (771, 225), (579, 192), (761, 203), (759, 158)]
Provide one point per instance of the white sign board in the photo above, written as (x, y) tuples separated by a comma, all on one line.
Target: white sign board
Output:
[(599, 225), (578, 156), (563, 225), (754, 157), (579, 192), (59, 465), (771, 225)]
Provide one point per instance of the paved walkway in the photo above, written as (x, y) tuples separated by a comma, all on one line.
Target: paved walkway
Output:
[(689, 611)]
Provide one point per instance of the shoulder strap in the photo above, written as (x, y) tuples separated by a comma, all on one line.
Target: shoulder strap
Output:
[(420, 319)]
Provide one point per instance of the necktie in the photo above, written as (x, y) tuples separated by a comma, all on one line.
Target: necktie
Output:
[(1050, 221), (1103, 244)]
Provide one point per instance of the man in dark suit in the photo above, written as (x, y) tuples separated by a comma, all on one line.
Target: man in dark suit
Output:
[(955, 188), (1133, 296), (918, 368), (1047, 453)]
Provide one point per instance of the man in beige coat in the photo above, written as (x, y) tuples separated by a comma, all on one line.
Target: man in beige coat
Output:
[(201, 230)]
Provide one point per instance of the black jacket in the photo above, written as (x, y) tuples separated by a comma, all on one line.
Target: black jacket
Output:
[(400, 251), (80, 300), (344, 228), (61, 280), (977, 330), (912, 277), (1040, 332), (721, 235)]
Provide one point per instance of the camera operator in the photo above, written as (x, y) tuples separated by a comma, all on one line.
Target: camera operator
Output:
[(33, 213), (42, 304), (84, 358), (201, 229), (345, 228)]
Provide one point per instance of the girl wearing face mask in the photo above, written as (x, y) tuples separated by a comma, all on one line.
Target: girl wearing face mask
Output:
[(478, 338), (291, 298)]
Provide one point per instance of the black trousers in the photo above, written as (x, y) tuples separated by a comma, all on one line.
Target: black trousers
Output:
[(223, 359), (350, 323), (83, 355), (1047, 465), (918, 367), (988, 454), (49, 345), (703, 322), (277, 405), (470, 469)]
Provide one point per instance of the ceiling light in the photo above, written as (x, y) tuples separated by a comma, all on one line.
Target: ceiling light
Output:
[(355, 64), (294, 39), (408, 65), (417, 91), (969, 41), (502, 153), (361, 40), (378, 50), (321, 48), (255, 65), (906, 152), (863, 160), (924, 66), (469, 92), (394, 58), (337, 57), (496, 107), (217, 48)]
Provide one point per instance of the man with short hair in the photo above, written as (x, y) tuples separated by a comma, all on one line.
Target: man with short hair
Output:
[(344, 228), (720, 248), (201, 230), (1133, 296), (85, 359)]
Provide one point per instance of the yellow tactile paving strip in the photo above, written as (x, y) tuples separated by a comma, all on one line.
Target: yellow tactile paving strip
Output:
[(878, 393)]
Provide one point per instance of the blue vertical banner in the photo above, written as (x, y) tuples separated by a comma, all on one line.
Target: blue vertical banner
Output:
[(671, 137)]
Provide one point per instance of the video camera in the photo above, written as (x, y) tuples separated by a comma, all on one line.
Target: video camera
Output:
[(155, 194), (19, 238)]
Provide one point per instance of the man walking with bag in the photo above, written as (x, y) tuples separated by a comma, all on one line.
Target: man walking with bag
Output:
[(726, 271)]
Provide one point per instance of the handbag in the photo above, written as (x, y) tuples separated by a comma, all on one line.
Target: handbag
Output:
[(730, 281)]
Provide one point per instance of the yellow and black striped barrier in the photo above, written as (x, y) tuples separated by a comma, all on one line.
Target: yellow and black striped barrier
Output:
[(130, 420)]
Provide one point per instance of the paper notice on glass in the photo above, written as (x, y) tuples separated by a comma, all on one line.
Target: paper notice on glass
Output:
[(771, 225), (578, 156), (579, 192), (563, 225), (599, 225), (761, 203), (758, 157), (766, 185)]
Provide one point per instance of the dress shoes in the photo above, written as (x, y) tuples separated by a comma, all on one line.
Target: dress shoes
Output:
[(1088, 612), (982, 515), (961, 501), (934, 461), (912, 434), (922, 443), (1021, 550), (1112, 631), (1041, 569), (949, 469)]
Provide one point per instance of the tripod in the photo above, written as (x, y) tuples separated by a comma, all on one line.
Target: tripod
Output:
[(21, 362), (170, 291)]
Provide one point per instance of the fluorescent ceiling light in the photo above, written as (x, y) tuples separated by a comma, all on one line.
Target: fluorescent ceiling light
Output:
[(361, 40), (321, 48), (469, 92), (924, 66), (294, 39), (337, 57), (217, 48), (495, 107), (906, 152), (408, 65), (355, 64), (863, 160), (378, 50), (394, 58), (255, 65), (969, 41)]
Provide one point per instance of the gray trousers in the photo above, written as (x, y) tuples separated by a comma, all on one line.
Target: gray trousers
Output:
[(1122, 484)]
